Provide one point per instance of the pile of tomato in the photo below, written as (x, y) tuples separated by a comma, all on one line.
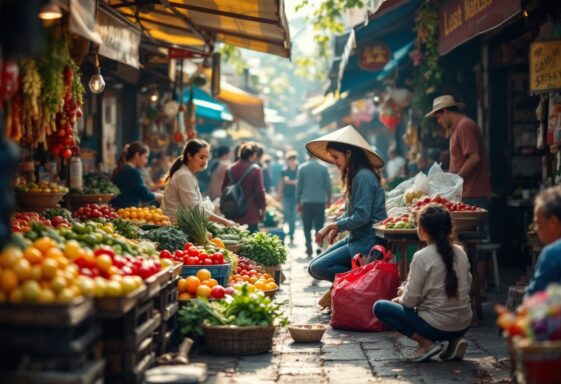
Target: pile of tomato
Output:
[(95, 211), (450, 205), (22, 220), (192, 255)]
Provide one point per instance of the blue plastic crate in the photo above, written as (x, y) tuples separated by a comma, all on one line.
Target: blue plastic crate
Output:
[(220, 272)]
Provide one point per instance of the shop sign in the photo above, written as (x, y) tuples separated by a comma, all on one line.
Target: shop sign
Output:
[(121, 40), (545, 66), (373, 56), (179, 53), (461, 20)]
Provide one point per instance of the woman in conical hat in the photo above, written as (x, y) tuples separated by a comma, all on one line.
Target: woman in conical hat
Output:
[(360, 170)]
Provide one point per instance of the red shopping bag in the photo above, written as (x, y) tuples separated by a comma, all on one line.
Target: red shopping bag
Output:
[(355, 292)]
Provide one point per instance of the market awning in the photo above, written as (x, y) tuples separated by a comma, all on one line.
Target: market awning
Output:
[(206, 106), (381, 45), (259, 25), (242, 104)]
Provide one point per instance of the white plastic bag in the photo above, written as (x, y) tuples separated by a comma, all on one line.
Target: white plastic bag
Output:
[(445, 184)]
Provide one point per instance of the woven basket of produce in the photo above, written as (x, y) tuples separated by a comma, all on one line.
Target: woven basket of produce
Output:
[(235, 340), (235, 248), (307, 333), (468, 220), (76, 200), (271, 292), (39, 200)]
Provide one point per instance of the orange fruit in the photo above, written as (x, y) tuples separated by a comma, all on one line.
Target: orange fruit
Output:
[(16, 296), (54, 253), (182, 285), (184, 296), (253, 279), (22, 268), (260, 284), (270, 286), (49, 268), (212, 282), (33, 255), (46, 296), (30, 291), (203, 274), (72, 249), (203, 291), (8, 280), (44, 244), (36, 272), (193, 283), (205, 282), (9, 256), (58, 284)]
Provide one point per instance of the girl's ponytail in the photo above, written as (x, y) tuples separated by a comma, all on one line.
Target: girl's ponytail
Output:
[(436, 221)]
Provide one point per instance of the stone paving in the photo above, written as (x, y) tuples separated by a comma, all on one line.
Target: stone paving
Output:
[(353, 357)]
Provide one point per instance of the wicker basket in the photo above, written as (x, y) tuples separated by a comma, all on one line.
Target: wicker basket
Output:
[(234, 340), (468, 220), (271, 292), (76, 200), (235, 248), (39, 200), (307, 333)]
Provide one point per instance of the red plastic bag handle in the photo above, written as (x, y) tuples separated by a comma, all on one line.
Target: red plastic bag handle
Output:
[(357, 259)]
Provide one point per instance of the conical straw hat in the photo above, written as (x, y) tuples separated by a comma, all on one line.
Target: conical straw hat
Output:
[(346, 135)]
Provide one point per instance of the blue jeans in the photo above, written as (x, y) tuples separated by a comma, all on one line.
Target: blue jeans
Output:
[(335, 259), (407, 322), (289, 213)]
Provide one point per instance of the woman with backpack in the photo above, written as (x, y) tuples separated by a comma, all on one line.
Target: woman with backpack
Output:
[(366, 203), (182, 187), (433, 304), (247, 206)]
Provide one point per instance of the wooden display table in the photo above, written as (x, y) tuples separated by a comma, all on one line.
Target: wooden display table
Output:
[(400, 239)]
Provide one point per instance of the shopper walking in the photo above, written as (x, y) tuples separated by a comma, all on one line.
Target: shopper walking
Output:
[(128, 177), (252, 185), (182, 187), (287, 193), (433, 304), (313, 195), (468, 159), (366, 202)]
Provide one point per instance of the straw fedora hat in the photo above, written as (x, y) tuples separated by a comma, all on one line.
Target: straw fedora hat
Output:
[(346, 135), (442, 102)]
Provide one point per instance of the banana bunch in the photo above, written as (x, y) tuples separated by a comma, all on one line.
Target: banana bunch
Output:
[(31, 87)]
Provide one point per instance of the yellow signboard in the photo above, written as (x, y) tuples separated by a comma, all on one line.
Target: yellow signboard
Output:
[(545, 66)]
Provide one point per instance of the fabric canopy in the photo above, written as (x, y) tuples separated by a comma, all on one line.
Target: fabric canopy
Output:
[(206, 106), (242, 104), (393, 28), (259, 25)]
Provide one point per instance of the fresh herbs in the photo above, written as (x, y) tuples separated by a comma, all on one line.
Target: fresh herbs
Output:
[(267, 250), (126, 228), (94, 184), (170, 238), (193, 222), (242, 309)]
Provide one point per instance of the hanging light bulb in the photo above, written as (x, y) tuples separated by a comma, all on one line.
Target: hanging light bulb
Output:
[(154, 95), (97, 84), (50, 11)]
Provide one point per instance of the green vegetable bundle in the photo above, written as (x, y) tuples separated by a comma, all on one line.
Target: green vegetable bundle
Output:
[(232, 232), (193, 221), (94, 184), (52, 212), (267, 250), (170, 238), (126, 228), (242, 309)]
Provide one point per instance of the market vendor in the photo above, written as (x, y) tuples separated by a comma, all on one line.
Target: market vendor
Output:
[(360, 169), (128, 177), (182, 187), (547, 219)]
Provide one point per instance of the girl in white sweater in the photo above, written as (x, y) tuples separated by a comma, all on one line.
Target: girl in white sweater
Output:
[(433, 304)]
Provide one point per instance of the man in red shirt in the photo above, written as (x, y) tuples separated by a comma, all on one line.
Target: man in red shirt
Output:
[(468, 157)]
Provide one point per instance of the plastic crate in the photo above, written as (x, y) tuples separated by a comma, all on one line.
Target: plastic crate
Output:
[(220, 272)]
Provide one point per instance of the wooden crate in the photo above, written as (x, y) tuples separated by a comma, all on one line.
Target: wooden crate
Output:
[(515, 296), (167, 335), (134, 377), (127, 360), (130, 330), (91, 373), (167, 296), (115, 307), (57, 314)]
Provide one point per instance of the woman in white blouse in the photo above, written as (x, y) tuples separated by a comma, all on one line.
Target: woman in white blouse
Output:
[(182, 187)]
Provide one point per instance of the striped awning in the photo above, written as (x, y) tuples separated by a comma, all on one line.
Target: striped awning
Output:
[(259, 25)]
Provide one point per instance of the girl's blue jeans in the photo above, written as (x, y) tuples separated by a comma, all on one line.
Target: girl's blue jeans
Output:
[(335, 259), (406, 321)]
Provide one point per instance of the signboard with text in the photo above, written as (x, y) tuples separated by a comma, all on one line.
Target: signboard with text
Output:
[(121, 40), (545, 66), (373, 56), (461, 20)]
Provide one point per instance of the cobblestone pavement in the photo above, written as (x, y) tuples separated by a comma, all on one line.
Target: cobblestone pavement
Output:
[(353, 357)]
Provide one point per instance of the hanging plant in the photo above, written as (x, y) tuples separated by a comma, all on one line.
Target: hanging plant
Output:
[(426, 57)]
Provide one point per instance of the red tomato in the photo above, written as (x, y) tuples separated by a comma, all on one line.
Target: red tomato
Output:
[(191, 260), (193, 251), (217, 292), (178, 253), (165, 254), (187, 246), (208, 261), (67, 153)]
